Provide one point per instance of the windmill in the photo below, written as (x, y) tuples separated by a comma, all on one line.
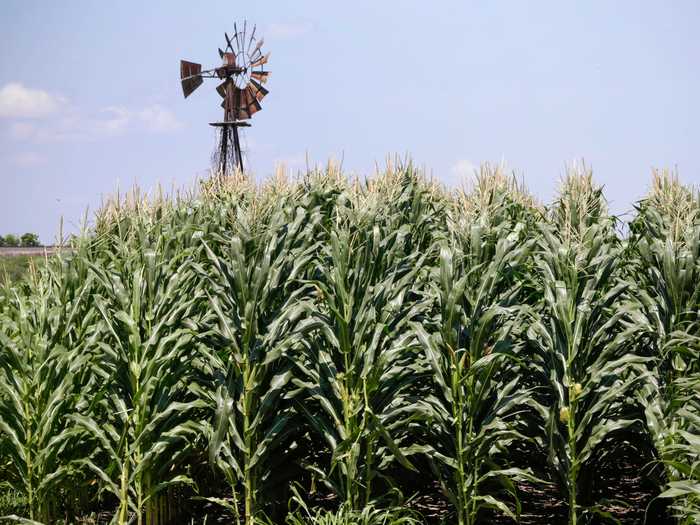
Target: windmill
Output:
[(243, 74)]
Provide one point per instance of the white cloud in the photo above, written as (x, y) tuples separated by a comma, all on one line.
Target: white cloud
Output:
[(463, 169), (159, 119), (74, 126), (22, 130), (115, 121), (17, 101), (281, 30), (28, 159), (61, 128), (155, 118)]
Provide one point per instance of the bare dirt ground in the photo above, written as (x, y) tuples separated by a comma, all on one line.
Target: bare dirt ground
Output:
[(6, 251)]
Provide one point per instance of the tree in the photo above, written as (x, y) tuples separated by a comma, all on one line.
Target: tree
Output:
[(30, 240), (2, 241), (11, 240)]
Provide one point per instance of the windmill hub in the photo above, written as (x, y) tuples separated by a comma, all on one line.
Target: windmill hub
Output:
[(243, 74)]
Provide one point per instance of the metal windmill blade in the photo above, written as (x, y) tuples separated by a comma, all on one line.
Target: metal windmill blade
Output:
[(260, 91), (190, 77), (262, 76), (261, 61), (242, 74)]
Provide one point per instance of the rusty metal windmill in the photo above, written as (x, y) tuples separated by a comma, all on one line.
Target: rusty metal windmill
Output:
[(243, 74)]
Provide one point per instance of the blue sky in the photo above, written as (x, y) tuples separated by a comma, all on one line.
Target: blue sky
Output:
[(90, 99)]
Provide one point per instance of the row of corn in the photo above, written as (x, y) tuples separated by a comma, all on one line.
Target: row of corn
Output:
[(266, 348)]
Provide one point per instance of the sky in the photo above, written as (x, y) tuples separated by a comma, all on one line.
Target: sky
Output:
[(90, 99)]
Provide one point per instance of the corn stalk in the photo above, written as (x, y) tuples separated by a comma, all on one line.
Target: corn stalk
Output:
[(141, 419), (253, 273), (465, 340), (582, 351), (665, 252), (43, 332), (360, 369)]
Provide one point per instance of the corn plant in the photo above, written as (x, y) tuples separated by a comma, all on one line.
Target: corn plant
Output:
[(369, 515), (681, 455), (581, 351), (359, 370), (254, 268), (665, 246), (143, 417), (465, 340), (44, 331)]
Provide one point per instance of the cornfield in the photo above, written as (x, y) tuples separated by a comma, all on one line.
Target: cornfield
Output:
[(334, 351)]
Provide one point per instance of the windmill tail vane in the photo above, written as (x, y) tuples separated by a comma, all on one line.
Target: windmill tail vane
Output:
[(242, 74)]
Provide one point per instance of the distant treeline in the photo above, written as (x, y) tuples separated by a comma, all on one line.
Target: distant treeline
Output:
[(27, 240)]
